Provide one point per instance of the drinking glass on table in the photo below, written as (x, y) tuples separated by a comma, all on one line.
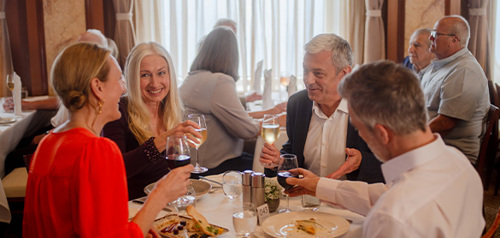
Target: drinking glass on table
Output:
[(270, 129), (200, 120), (10, 81), (8, 102), (285, 81), (244, 219), (231, 184), (288, 162), (177, 156)]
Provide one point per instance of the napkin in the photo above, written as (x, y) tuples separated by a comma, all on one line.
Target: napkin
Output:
[(16, 95), (292, 86), (267, 100), (257, 78)]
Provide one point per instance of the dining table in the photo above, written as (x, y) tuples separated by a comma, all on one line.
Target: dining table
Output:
[(11, 132), (217, 209)]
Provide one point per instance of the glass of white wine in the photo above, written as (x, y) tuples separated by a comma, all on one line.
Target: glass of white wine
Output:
[(200, 120), (10, 81), (270, 130)]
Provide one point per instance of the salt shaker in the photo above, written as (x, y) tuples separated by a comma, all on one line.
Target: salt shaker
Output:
[(247, 185), (258, 189)]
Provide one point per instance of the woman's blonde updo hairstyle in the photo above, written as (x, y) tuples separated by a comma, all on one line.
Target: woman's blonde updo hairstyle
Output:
[(73, 70)]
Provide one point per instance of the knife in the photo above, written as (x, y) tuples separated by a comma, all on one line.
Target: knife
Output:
[(138, 201), (210, 180)]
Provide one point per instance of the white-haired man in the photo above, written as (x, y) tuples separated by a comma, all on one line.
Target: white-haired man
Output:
[(456, 87), (418, 51), (317, 125)]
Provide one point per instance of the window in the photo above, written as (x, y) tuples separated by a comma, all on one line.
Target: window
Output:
[(273, 31)]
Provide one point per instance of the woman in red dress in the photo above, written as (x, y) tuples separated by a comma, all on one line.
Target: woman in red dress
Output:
[(76, 184)]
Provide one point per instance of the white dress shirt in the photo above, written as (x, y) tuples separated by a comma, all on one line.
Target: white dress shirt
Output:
[(324, 150), (432, 191)]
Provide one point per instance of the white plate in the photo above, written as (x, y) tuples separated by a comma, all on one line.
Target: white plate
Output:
[(7, 120), (200, 187), (283, 225)]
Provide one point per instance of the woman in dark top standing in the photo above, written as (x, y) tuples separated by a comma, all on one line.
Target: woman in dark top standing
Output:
[(151, 110)]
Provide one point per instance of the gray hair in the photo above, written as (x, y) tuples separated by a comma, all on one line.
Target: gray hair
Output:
[(219, 53), (460, 27), (386, 93), (226, 22), (421, 31), (341, 50)]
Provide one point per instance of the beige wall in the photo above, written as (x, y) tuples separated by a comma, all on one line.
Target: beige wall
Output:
[(420, 14), (64, 20)]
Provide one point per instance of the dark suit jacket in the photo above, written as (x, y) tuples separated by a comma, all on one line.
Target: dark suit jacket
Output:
[(299, 112)]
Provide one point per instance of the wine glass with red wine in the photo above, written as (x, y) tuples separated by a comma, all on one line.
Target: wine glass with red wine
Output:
[(177, 151), (177, 156), (288, 162)]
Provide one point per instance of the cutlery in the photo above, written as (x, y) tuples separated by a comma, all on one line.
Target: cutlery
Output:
[(138, 201), (210, 180)]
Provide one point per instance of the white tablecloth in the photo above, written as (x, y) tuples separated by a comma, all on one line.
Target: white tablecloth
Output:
[(218, 211), (10, 135)]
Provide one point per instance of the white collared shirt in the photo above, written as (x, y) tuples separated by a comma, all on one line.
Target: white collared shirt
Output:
[(324, 150), (431, 191)]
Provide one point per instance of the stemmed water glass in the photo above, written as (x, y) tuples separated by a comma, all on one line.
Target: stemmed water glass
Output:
[(231, 184), (288, 162), (200, 120), (177, 156), (270, 129)]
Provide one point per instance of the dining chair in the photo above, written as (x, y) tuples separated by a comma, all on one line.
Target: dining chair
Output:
[(494, 226), (488, 147)]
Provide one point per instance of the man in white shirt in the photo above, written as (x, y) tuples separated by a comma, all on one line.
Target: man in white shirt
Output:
[(456, 88), (318, 128), (432, 190)]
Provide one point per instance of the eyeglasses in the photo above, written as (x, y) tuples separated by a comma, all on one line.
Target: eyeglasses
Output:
[(435, 34)]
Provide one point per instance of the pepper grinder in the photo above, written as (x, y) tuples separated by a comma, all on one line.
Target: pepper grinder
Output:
[(258, 190), (247, 185)]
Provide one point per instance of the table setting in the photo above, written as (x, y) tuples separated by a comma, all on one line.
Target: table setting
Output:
[(224, 206)]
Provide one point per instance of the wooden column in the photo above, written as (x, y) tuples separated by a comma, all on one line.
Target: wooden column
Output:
[(27, 40), (94, 14), (395, 30)]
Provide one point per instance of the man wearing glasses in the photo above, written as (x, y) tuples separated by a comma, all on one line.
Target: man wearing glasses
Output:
[(455, 87)]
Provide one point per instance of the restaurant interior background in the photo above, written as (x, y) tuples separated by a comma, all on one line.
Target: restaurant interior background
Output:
[(39, 29)]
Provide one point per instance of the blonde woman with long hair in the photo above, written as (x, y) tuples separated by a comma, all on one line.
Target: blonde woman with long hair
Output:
[(76, 183), (151, 110)]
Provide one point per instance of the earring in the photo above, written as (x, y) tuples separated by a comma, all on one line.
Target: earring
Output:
[(99, 104)]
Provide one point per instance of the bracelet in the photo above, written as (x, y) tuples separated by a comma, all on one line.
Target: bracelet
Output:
[(152, 153)]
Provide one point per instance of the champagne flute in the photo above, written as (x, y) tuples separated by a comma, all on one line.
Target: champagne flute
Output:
[(10, 81), (200, 120), (177, 156), (270, 129), (9, 101), (288, 162)]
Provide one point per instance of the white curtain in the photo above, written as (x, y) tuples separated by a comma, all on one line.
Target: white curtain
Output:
[(493, 69), (271, 30), (478, 21), (374, 32)]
